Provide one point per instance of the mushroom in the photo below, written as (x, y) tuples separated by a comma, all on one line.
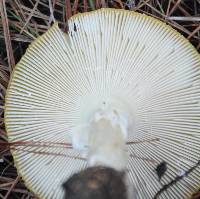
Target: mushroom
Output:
[(139, 67)]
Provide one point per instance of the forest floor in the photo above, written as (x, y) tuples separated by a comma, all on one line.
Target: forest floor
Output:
[(21, 21)]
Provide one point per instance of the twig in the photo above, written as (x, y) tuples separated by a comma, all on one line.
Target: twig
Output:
[(181, 8), (140, 5), (11, 188), (51, 13), (85, 5), (168, 8), (195, 19), (143, 141), (48, 153), (68, 9), (194, 32), (75, 7), (11, 60), (174, 7), (30, 16)]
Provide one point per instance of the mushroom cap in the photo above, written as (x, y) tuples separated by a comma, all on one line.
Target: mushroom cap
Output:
[(123, 58)]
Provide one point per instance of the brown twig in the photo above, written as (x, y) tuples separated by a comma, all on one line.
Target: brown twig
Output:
[(174, 7), (11, 60), (143, 141), (194, 32), (75, 7), (30, 16), (68, 9)]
